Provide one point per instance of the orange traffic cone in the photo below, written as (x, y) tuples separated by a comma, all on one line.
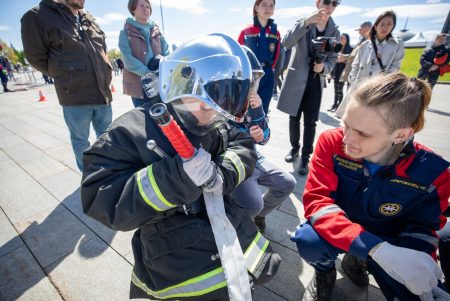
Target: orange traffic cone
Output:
[(112, 88), (41, 96)]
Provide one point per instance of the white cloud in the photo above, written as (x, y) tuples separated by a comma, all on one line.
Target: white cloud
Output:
[(110, 18), (412, 10), (4, 28), (433, 1), (437, 21), (236, 9), (112, 34), (195, 7), (303, 11)]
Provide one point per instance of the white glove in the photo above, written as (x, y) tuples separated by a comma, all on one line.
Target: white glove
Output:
[(200, 168), (435, 294), (414, 269)]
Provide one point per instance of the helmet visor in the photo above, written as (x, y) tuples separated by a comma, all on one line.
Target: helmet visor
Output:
[(216, 80)]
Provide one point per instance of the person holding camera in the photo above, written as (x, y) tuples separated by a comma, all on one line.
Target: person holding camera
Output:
[(140, 41), (301, 92)]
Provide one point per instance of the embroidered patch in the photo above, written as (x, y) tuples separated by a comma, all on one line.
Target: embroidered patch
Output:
[(390, 209), (352, 165), (272, 47)]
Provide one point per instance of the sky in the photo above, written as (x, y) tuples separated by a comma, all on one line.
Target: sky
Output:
[(186, 19)]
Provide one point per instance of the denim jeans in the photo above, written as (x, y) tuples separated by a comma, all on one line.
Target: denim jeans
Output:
[(78, 120), (279, 184)]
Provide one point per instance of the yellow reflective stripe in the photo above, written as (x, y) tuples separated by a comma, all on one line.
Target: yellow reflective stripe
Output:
[(197, 286), (234, 158), (255, 251), (149, 190)]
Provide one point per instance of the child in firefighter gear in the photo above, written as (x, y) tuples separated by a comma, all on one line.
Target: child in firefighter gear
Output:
[(127, 187), (433, 60), (376, 195), (279, 184)]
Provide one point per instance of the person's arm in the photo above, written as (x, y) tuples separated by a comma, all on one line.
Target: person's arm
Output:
[(295, 33), (426, 59), (35, 43), (119, 192), (258, 118), (398, 57), (355, 64), (238, 161), (326, 217), (241, 39), (277, 51), (131, 63)]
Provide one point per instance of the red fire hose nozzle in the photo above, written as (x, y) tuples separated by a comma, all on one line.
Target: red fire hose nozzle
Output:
[(172, 130)]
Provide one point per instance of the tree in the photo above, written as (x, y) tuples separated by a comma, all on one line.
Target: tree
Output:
[(8, 52), (114, 54)]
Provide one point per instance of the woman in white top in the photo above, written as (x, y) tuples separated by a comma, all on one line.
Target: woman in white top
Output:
[(381, 52)]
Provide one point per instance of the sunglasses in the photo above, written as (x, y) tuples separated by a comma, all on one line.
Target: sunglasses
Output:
[(334, 3)]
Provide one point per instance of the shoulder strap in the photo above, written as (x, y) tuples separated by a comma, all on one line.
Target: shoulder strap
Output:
[(376, 55)]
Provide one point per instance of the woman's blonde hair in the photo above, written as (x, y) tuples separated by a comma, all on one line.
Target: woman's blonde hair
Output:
[(405, 99), (257, 2)]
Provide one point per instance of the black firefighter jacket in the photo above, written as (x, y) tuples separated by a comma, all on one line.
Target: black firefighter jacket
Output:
[(72, 52), (126, 186)]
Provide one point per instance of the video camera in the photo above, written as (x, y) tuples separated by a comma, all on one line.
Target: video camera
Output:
[(324, 45)]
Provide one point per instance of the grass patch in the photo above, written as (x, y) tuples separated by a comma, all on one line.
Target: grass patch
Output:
[(411, 63)]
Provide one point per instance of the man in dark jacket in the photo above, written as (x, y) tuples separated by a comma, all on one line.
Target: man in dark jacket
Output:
[(127, 187), (433, 58), (62, 40)]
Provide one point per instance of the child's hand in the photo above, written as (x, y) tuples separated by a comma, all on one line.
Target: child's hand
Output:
[(257, 133), (255, 100)]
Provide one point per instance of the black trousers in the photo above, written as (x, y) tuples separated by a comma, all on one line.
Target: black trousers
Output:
[(309, 108), (338, 92)]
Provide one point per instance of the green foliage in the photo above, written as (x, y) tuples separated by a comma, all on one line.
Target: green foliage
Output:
[(9, 53), (411, 63), (114, 54)]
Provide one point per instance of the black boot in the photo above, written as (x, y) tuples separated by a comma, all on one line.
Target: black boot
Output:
[(304, 169), (260, 222), (356, 270), (290, 157), (320, 287), (333, 108), (294, 138)]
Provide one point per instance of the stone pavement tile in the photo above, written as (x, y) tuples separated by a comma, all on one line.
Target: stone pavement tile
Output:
[(61, 134), (9, 239), (43, 167), (263, 294), (5, 132), (53, 234), (24, 152), (130, 257), (21, 278), (289, 282), (61, 153), (10, 140), (21, 197), (119, 241), (22, 129), (44, 141), (3, 156), (35, 121), (279, 228), (293, 206), (92, 272), (62, 184), (375, 294)]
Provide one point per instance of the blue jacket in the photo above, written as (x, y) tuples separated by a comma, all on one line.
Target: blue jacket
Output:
[(354, 210)]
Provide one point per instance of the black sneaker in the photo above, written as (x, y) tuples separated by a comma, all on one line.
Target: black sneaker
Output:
[(356, 270), (260, 222), (304, 169), (290, 157), (320, 287)]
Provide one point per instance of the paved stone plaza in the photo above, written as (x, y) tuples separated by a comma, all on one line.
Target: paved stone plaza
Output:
[(49, 250)]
